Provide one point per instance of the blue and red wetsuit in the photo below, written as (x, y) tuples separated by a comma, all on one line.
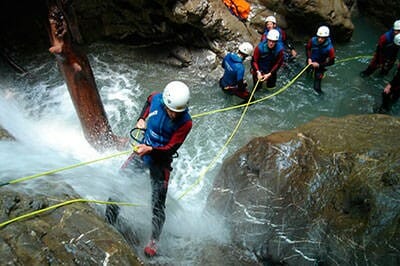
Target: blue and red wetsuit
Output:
[(266, 61), (233, 79), (165, 136), (385, 54), (323, 54)]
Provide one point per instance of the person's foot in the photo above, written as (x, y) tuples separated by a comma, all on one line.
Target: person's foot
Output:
[(151, 249), (319, 91), (365, 73), (383, 72), (381, 110)]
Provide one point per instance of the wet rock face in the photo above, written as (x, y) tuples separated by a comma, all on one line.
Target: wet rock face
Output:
[(326, 192), (386, 12), (70, 235), (304, 16), (4, 135)]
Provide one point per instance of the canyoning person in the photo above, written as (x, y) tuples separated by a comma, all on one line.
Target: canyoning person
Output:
[(267, 59), (166, 120), (385, 53), (233, 82), (391, 92), (320, 54), (270, 23)]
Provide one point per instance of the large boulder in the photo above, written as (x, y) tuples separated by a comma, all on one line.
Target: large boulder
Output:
[(384, 12), (301, 18), (324, 193), (73, 234)]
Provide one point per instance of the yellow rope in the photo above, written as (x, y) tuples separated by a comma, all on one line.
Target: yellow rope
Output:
[(352, 58), (203, 173), (27, 215), (64, 168), (223, 147), (246, 105), (194, 116), (253, 102)]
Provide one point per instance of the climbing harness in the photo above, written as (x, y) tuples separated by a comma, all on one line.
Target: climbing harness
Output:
[(137, 131)]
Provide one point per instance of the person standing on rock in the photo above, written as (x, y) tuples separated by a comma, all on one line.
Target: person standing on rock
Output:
[(166, 120), (267, 59), (320, 54), (385, 53), (233, 82), (270, 23)]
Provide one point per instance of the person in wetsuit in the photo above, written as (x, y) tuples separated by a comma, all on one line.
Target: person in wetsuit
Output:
[(267, 59), (166, 120), (385, 53), (233, 82), (289, 52), (320, 54)]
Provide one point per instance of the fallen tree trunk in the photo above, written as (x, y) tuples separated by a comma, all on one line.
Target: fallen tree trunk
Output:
[(76, 70)]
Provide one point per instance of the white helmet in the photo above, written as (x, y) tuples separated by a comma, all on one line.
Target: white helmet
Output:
[(246, 48), (397, 39), (273, 35), (176, 96), (323, 31), (396, 25), (270, 19)]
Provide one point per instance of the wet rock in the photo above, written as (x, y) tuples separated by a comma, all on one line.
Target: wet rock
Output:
[(324, 193), (4, 135), (73, 234), (303, 17)]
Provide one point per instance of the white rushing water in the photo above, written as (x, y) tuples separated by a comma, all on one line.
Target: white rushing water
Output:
[(38, 111)]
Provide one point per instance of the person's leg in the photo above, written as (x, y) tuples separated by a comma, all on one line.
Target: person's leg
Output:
[(372, 66), (271, 82), (128, 168), (243, 94), (159, 195), (319, 74), (386, 67), (159, 181), (386, 103), (388, 99)]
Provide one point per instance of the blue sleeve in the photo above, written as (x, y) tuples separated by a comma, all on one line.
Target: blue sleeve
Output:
[(240, 72)]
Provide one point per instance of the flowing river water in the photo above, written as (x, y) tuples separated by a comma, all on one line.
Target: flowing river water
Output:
[(38, 111)]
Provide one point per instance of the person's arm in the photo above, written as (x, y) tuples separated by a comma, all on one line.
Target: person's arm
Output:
[(256, 67), (240, 78), (379, 48), (141, 121), (256, 57), (171, 147), (288, 44)]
